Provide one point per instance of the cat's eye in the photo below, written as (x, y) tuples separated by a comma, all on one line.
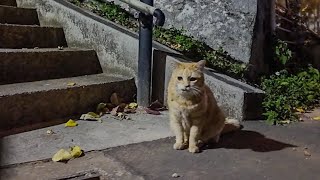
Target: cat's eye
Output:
[(179, 78), (193, 79)]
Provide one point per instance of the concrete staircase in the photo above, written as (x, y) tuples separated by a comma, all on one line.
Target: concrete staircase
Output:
[(34, 73)]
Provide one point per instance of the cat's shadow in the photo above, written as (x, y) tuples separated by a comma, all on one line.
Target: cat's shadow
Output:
[(245, 139)]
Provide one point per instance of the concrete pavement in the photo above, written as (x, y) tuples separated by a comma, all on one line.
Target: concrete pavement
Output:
[(259, 151)]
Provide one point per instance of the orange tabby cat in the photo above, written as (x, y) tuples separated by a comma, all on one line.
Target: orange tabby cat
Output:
[(195, 117)]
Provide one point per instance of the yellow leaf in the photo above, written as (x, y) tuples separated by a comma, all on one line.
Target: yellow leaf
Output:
[(62, 155), (90, 116), (71, 84), (94, 115), (76, 151), (300, 110), (132, 105), (317, 118), (71, 123)]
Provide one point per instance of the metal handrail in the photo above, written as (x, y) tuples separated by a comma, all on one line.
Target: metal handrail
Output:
[(147, 11)]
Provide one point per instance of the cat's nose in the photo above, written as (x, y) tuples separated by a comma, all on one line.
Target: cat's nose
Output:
[(187, 86)]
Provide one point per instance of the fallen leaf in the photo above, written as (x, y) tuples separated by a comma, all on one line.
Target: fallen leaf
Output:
[(285, 122), (300, 110), (110, 106), (50, 132), (123, 105), (175, 175), (91, 116), (71, 84), (65, 155), (129, 111), (71, 123), (114, 99), (132, 106), (94, 115), (62, 155), (306, 153), (121, 115), (150, 111), (115, 110), (157, 106), (76, 151), (317, 118)]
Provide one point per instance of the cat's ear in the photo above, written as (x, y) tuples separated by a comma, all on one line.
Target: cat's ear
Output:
[(201, 64)]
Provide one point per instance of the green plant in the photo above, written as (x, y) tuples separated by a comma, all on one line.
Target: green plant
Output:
[(285, 93), (217, 59), (282, 53)]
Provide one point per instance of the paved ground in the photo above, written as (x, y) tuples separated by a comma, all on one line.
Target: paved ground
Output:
[(89, 135), (259, 151)]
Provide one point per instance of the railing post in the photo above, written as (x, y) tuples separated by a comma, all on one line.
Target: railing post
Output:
[(144, 57)]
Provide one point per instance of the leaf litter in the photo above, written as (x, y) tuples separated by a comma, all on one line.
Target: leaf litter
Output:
[(66, 155), (155, 108)]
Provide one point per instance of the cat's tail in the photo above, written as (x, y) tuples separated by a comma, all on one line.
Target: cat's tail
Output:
[(231, 125)]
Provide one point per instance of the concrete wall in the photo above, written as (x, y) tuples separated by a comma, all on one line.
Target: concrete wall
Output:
[(117, 50), (241, 27)]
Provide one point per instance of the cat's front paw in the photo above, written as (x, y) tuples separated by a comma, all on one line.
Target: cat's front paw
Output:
[(179, 146), (194, 149)]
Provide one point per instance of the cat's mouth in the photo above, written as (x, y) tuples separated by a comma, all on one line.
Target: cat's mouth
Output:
[(185, 89)]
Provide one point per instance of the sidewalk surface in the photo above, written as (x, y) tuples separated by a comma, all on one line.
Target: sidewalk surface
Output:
[(258, 151)]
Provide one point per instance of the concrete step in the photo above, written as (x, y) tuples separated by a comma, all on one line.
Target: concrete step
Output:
[(14, 15), (24, 65), (30, 36), (24, 104), (8, 2)]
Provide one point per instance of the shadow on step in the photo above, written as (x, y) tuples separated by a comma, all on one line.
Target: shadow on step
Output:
[(31, 127), (245, 139)]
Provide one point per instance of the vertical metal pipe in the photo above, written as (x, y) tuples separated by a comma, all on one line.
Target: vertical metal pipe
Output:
[(144, 57)]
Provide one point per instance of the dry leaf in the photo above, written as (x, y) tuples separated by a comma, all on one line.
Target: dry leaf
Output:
[(71, 123), (316, 118), (62, 155), (76, 151), (71, 84), (110, 106), (91, 116), (49, 132), (157, 106), (132, 106), (129, 111), (123, 105), (150, 111), (306, 153), (115, 99), (175, 175), (115, 110), (300, 110), (65, 155)]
